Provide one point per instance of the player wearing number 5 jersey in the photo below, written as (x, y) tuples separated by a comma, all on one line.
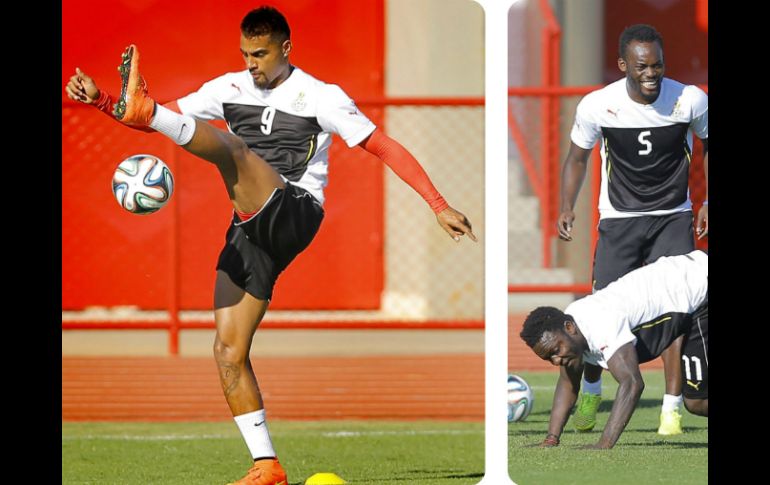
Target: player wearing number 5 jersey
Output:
[(644, 124), (274, 165)]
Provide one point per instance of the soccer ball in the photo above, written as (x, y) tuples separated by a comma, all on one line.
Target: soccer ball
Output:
[(520, 399), (142, 184)]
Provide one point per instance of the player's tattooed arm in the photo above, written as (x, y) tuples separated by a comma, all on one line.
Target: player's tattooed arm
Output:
[(564, 398), (624, 367), (572, 175)]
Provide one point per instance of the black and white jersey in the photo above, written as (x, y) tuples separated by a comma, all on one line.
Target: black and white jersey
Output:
[(289, 126), (646, 296), (645, 148)]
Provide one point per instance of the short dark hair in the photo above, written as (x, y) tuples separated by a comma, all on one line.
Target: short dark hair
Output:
[(266, 20), (639, 33), (542, 319)]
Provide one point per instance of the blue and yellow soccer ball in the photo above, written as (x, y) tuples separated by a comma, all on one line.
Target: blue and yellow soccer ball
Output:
[(142, 184), (520, 399)]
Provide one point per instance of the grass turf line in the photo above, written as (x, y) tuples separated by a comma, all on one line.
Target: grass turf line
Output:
[(425, 452)]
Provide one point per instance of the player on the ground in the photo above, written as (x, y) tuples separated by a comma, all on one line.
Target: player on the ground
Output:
[(631, 321), (645, 123), (274, 172)]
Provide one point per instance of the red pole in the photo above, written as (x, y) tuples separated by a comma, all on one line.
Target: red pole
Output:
[(555, 138), (173, 290), (545, 202)]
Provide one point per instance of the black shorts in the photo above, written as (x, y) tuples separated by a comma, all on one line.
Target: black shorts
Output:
[(695, 356), (257, 250), (628, 243), (653, 337)]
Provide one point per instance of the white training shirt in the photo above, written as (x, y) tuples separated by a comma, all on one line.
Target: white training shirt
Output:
[(645, 148), (289, 126), (606, 318)]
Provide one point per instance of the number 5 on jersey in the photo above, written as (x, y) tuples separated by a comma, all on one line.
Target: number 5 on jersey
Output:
[(642, 139)]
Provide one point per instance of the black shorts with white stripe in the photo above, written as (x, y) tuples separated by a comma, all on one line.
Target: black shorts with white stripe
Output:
[(257, 250), (695, 355)]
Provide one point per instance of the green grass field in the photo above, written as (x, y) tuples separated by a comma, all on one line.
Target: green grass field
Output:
[(424, 452), (640, 457)]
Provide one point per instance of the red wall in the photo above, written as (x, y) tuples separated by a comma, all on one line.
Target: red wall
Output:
[(111, 257), (685, 45)]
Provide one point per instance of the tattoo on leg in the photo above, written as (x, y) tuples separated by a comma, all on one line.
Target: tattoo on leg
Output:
[(229, 375)]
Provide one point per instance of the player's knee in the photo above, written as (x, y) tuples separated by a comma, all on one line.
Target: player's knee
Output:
[(230, 353), (697, 406)]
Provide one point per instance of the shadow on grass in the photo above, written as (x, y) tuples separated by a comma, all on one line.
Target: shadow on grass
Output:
[(606, 405), (434, 474), (526, 432), (669, 444), (686, 429)]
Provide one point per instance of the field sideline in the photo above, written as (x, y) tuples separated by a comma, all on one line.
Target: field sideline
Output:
[(640, 457)]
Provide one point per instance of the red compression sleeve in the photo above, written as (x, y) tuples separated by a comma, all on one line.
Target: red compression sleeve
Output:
[(104, 103), (405, 166)]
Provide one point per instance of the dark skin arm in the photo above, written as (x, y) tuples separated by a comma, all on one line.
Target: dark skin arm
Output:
[(702, 226), (572, 175), (624, 367), (564, 398)]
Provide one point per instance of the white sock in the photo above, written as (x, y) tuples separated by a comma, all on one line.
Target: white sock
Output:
[(671, 403), (179, 128), (254, 431), (594, 388)]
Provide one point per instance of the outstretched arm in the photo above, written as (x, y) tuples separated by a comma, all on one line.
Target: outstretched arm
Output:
[(409, 170), (624, 367), (702, 226), (572, 176), (564, 398)]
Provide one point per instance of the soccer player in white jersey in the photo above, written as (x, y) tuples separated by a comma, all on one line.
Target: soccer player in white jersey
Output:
[(274, 172), (645, 123), (631, 321)]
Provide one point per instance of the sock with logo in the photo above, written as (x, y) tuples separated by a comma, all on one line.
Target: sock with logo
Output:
[(253, 428), (179, 128)]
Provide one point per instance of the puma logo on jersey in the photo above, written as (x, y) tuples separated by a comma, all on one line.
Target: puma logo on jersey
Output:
[(694, 385), (613, 113), (236, 87)]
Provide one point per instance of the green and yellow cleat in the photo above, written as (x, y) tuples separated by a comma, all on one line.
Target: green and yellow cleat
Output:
[(584, 418), (670, 423)]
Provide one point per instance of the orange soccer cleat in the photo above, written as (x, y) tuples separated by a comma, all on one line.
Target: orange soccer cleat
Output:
[(134, 107), (264, 472)]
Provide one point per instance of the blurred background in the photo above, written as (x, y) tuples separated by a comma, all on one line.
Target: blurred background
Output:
[(381, 282)]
